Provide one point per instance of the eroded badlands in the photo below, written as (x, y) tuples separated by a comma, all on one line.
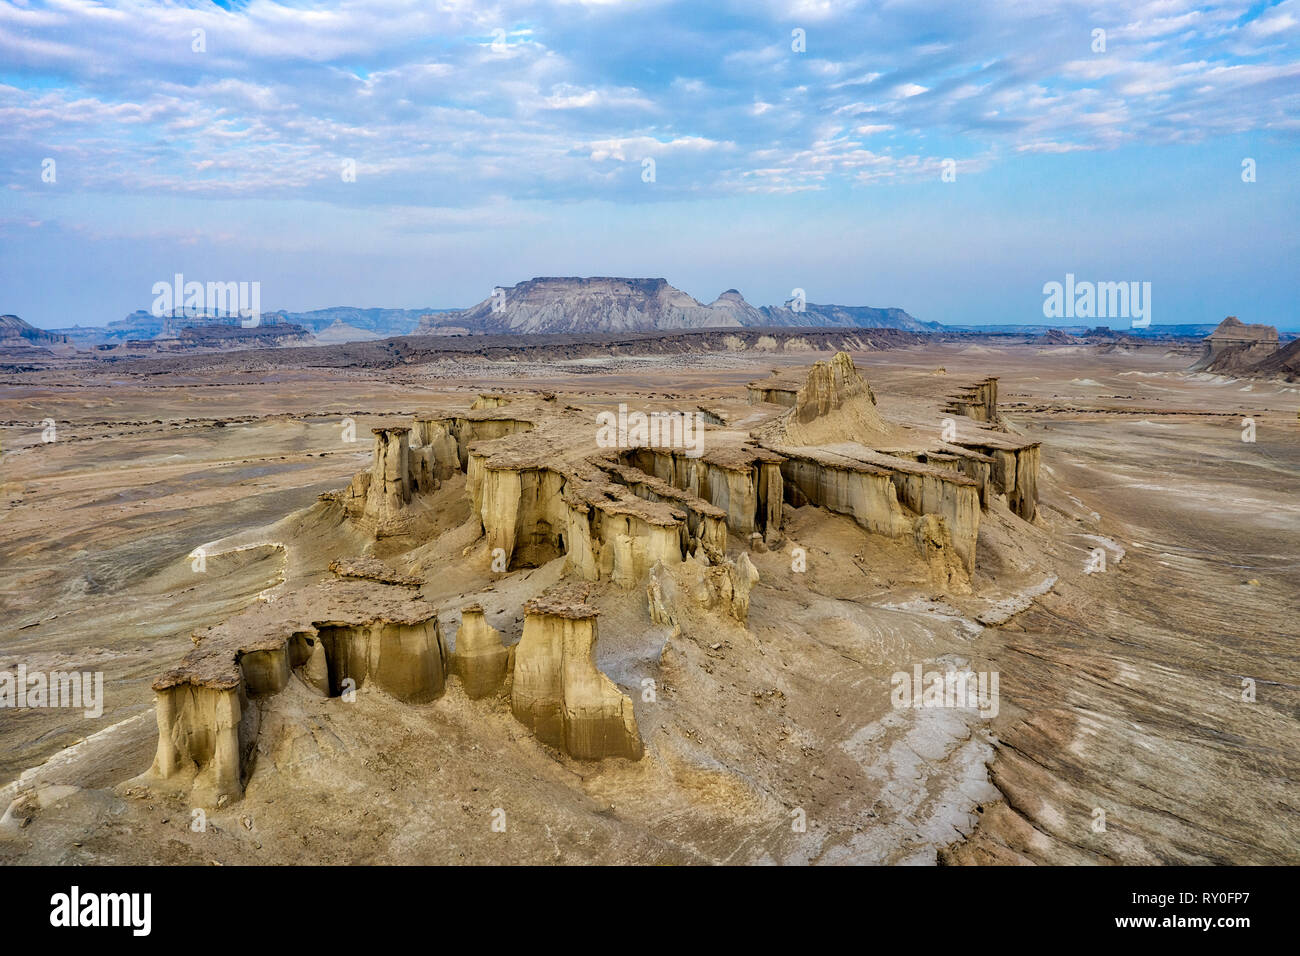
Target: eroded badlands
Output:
[(501, 631)]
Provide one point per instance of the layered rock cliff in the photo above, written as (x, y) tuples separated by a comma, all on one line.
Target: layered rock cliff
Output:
[(574, 304), (557, 691), (1234, 346), (337, 636), (481, 660), (613, 304)]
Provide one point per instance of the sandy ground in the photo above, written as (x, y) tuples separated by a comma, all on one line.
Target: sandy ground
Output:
[(1125, 730)]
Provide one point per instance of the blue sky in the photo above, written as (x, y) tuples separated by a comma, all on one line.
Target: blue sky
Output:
[(494, 142)]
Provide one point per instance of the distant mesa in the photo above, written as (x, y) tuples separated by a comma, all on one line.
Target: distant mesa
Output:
[(613, 304), (1058, 337), (15, 332), (846, 316), (1237, 348), (1283, 364)]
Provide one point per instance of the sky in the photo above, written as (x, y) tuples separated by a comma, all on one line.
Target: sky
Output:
[(945, 158)]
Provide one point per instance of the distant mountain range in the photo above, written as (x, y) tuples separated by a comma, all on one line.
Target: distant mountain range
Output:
[(613, 304), (336, 324), (573, 305)]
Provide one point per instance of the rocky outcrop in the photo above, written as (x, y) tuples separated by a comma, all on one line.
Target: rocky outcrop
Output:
[(613, 304), (15, 332), (743, 480), (481, 660), (338, 636), (774, 391), (834, 403), (722, 586), (1234, 346), (531, 514), (978, 402), (377, 498), (830, 386), (706, 524), (435, 453), (1059, 337), (1249, 351), (483, 424), (1283, 365), (370, 569), (557, 690), (1013, 470), (725, 586), (571, 304), (886, 494)]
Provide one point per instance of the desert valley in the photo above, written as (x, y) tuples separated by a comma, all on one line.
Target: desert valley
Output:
[(647, 598)]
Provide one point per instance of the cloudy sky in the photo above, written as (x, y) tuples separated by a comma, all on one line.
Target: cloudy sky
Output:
[(795, 143)]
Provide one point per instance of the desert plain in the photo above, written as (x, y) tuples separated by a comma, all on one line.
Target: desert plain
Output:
[(1148, 709)]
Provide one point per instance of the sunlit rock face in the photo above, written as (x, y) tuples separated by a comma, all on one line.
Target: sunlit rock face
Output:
[(557, 691), (978, 402), (378, 498), (1235, 345), (337, 637), (830, 386), (596, 304), (481, 660)]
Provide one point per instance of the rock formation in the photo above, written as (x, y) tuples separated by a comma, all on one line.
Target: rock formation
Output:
[(378, 497), (844, 316), (650, 512), (1248, 351), (338, 636), (481, 660), (1283, 365), (978, 402), (776, 390), (1059, 337), (1234, 346), (557, 690), (15, 332), (613, 304), (572, 304)]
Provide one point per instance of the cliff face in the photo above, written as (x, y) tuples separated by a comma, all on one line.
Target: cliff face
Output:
[(888, 495), (978, 402), (586, 305), (481, 660), (612, 304), (1235, 346), (377, 498), (557, 691), (337, 637), (845, 316), (14, 331)]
